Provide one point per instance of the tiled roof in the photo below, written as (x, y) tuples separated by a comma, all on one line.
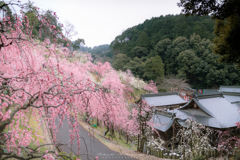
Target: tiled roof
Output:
[(235, 89), (163, 99), (213, 110)]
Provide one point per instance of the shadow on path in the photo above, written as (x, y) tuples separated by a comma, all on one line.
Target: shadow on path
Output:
[(94, 146)]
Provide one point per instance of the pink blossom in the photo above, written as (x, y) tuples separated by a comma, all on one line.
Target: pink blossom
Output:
[(238, 124), (4, 104)]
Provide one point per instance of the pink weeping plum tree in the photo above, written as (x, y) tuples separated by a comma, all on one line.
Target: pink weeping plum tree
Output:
[(37, 79)]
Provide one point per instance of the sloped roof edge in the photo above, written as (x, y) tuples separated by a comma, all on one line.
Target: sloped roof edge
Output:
[(196, 101), (159, 94), (202, 107), (186, 105)]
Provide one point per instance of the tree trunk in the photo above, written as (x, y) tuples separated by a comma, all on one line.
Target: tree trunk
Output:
[(119, 135), (138, 143), (142, 139), (112, 132), (98, 122), (105, 133), (87, 118), (1, 152)]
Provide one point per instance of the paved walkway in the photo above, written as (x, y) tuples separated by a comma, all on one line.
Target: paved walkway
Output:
[(94, 146)]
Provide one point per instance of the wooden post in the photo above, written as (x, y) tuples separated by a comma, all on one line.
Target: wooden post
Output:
[(161, 153), (183, 153), (173, 137)]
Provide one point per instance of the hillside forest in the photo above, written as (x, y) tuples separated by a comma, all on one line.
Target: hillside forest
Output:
[(169, 46)]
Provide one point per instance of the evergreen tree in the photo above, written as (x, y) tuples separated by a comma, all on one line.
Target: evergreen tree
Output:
[(143, 40), (140, 52), (136, 66), (153, 69), (120, 60), (161, 48)]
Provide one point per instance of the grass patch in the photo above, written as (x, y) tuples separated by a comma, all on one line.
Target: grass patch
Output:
[(137, 92), (34, 124)]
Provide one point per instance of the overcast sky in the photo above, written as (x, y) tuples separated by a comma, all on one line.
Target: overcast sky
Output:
[(100, 21)]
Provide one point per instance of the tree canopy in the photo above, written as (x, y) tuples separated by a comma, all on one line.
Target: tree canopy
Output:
[(194, 60), (153, 69), (219, 9), (150, 32), (190, 58), (227, 27), (185, 47)]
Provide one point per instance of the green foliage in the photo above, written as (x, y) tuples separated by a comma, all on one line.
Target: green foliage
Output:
[(85, 48), (184, 45), (218, 9), (193, 59), (136, 66), (143, 40), (33, 22), (6, 11), (153, 69), (120, 61), (31, 13), (140, 52), (236, 154), (149, 33), (46, 33), (76, 44), (199, 158), (188, 58), (188, 63), (65, 156), (101, 53), (161, 48), (102, 50), (178, 45), (227, 26), (226, 42)]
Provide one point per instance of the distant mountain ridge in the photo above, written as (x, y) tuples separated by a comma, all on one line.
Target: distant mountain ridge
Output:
[(149, 33), (172, 45)]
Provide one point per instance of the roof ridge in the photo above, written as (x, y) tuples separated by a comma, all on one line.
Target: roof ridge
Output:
[(229, 87), (207, 95), (231, 93), (159, 94)]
